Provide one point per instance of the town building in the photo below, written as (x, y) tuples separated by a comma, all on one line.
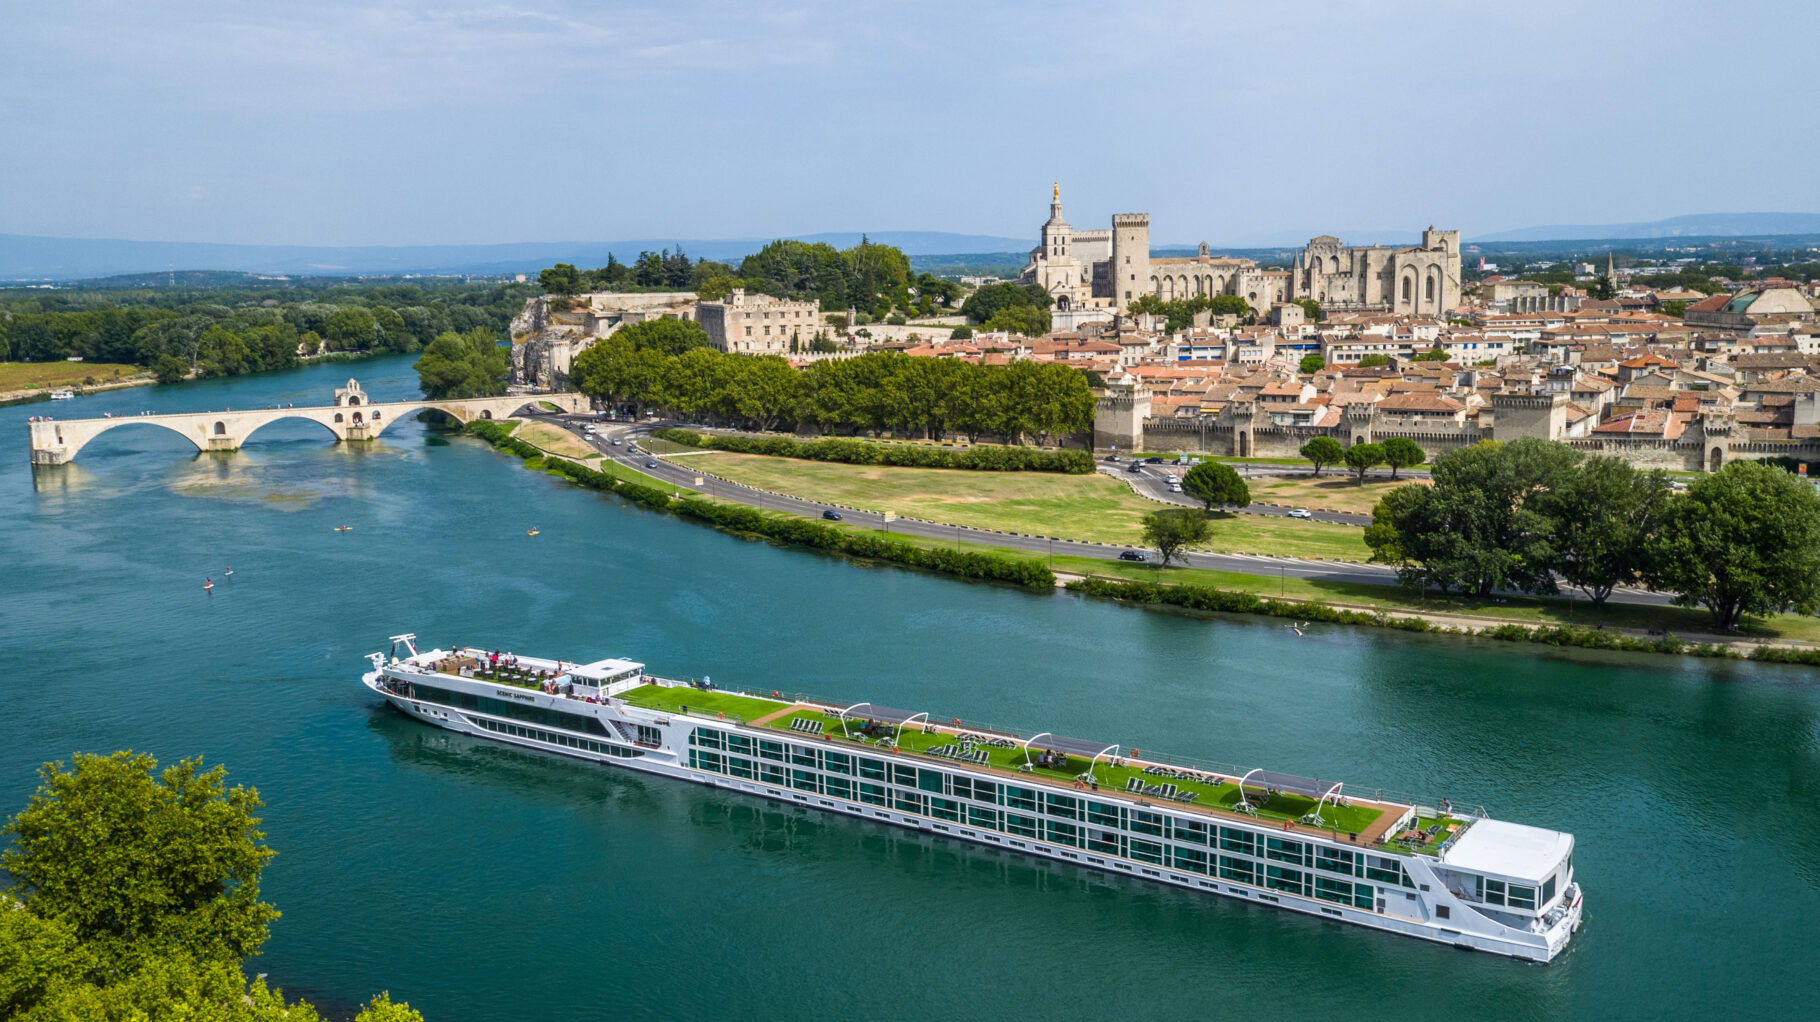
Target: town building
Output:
[(759, 324)]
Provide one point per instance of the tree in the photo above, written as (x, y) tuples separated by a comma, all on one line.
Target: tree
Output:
[(1675, 309), (1361, 457), (351, 329), (311, 343), (1228, 305), (463, 365), (1216, 484), (1322, 450), (170, 369), (1436, 354), (960, 333), (1602, 289), (1401, 452), (1311, 309), (1374, 361), (1170, 531), (1604, 515), (1744, 540), (1477, 528), (1023, 320), (1312, 363), (991, 299), (666, 334), (136, 863), (563, 279)]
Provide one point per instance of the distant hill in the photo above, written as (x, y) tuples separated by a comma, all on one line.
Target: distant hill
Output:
[(36, 258), (1699, 225)]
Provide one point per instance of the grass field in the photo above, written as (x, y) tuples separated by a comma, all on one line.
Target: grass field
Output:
[(16, 376), (1338, 493), (558, 441), (1088, 507)]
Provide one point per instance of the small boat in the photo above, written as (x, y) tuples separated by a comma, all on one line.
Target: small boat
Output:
[(63, 395), (532, 531)]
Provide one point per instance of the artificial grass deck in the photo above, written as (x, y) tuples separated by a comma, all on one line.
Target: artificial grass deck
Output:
[(738, 708)]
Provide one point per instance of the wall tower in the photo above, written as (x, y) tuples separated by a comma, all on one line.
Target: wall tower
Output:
[(1130, 268)]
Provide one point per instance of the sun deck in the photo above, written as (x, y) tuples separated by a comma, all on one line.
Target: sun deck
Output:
[(1070, 763)]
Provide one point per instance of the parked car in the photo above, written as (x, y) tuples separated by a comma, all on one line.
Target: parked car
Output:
[(1301, 512), (1134, 555), (831, 515)]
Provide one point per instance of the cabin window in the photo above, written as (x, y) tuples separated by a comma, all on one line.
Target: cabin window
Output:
[(872, 794), (1443, 912), (929, 780), (1062, 806), (770, 750), (1019, 824), (1104, 841), (1281, 878), (1020, 798), (839, 787), (1238, 841), (1285, 851), (945, 809), (1548, 890), (1521, 896), (1147, 851), (872, 768), (1192, 859), (1333, 890), (739, 767), (739, 743), (800, 756), (1063, 833), (908, 801), (981, 817), (1104, 815), (837, 762), (707, 739), (904, 776), (1237, 869), (1335, 859), (705, 760), (770, 774), (802, 779), (1388, 871), (1190, 831), (1146, 823)]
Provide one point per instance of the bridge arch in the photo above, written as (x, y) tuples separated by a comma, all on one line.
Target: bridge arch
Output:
[(75, 445), (283, 418)]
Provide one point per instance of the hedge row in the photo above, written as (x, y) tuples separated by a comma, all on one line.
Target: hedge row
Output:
[(861, 452), (1203, 598), (799, 531)]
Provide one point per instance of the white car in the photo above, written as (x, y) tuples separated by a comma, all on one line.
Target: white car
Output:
[(1301, 512)]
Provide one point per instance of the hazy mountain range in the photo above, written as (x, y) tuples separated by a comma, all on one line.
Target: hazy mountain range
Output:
[(35, 258)]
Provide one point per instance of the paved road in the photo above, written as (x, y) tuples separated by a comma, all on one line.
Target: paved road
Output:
[(1153, 481), (684, 476)]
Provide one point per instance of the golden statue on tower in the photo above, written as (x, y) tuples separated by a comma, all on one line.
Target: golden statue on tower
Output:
[(1056, 194)]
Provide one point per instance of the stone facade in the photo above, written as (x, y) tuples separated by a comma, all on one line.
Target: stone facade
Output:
[(545, 341), (1110, 269), (759, 324)]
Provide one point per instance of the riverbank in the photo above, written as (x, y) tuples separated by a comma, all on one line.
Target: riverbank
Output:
[(29, 382), (1613, 627)]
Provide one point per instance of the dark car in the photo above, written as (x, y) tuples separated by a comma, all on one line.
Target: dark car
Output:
[(831, 515), (1134, 555), (1111, 457), (1136, 466), (651, 464), (1153, 461)]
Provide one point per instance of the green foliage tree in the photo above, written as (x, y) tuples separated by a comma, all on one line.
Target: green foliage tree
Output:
[(1363, 457), (171, 369), (990, 300), (1374, 361), (1433, 355), (1400, 452), (1603, 517), (960, 333), (1478, 528), (352, 329), (1322, 451), (667, 335), (135, 862), (1312, 363), (562, 279), (1022, 320), (1744, 540), (312, 343), (1675, 309), (463, 365), (1216, 484), (1310, 309), (1228, 305), (1602, 289), (1173, 530)]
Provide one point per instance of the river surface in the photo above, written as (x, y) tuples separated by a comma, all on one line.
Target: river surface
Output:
[(484, 883)]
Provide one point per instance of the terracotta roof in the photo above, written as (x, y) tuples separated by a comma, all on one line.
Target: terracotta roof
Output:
[(1418, 402)]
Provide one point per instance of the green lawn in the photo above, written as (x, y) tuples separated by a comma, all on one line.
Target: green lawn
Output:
[(38, 375), (1088, 507), (738, 708)]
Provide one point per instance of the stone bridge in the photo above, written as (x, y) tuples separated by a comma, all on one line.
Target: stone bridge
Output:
[(351, 417)]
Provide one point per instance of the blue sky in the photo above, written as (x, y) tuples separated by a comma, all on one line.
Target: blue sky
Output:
[(458, 122)]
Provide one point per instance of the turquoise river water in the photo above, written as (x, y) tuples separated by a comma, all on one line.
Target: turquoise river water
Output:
[(484, 883)]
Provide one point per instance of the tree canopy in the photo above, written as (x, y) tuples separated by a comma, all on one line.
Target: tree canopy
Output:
[(1216, 484), (1744, 540), (1400, 452), (1322, 451), (1604, 515), (1312, 363), (993, 300), (1173, 530), (464, 365)]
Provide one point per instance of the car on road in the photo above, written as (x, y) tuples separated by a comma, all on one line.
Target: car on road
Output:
[(1136, 466), (1110, 457), (1175, 486), (1153, 461), (831, 515), (651, 463), (614, 441), (1134, 555), (1301, 512)]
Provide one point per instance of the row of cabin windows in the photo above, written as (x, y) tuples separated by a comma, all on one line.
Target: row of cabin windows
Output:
[(554, 738), (1497, 892), (1101, 826), (507, 708)]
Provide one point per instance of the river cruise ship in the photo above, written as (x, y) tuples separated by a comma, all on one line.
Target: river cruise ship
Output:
[(1441, 872)]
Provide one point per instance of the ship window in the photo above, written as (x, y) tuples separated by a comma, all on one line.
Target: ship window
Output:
[(649, 735), (1147, 851), (1146, 823), (838, 786), (1284, 879), (1020, 798), (979, 817), (770, 774), (945, 809), (1238, 841), (1237, 869), (1336, 859), (1063, 833), (1019, 824), (1105, 841), (1490, 891), (1190, 830), (708, 760), (1284, 850), (739, 743), (1061, 805), (1192, 859), (1548, 890), (837, 762), (1443, 912), (872, 794), (1103, 814), (1332, 890), (771, 750), (872, 768), (1388, 871), (929, 780), (802, 779), (909, 802), (739, 767), (800, 756), (1521, 896), (707, 738)]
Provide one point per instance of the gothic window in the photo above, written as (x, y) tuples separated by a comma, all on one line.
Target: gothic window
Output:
[(1408, 287), (1431, 289)]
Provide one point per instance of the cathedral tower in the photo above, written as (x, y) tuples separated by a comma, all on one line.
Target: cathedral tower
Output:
[(1130, 269)]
